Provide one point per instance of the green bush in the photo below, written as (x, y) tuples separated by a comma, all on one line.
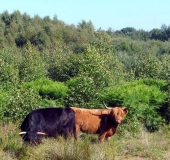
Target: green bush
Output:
[(32, 66), (132, 125), (81, 93), (48, 90), (63, 66), (165, 109), (18, 103), (90, 76), (3, 96), (59, 60), (93, 65), (145, 97), (8, 74)]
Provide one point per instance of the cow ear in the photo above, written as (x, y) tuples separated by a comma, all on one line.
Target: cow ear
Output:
[(126, 110)]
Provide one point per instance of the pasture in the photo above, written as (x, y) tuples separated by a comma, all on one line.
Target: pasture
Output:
[(140, 146)]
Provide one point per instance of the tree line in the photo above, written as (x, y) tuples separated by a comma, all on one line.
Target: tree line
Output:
[(17, 29)]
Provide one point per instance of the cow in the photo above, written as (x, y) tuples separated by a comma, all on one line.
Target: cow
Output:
[(104, 122), (48, 122)]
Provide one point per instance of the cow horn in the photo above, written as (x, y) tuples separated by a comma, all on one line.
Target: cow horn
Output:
[(106, 106), (41, 133), (22, 133)]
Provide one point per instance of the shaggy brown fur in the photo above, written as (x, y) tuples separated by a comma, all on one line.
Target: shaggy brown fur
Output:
[(99, 121)]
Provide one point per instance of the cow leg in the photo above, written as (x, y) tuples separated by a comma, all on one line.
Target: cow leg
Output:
[(77, 130), (66, 133), (101, 137)]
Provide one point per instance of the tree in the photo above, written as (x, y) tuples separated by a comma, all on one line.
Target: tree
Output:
[(20, 40), (32, 67), (40, 39), (88, 26), (147, 66), (6, 17), (157, 34), (8, 74), (128, 30), (16, 17)]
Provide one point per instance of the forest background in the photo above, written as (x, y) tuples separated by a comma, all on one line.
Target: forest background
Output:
[(45, 62)]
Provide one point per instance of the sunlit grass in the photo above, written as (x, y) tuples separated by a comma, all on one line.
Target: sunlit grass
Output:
[(143, 146)]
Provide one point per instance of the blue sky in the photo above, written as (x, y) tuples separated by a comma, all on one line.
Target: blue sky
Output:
[(115, 14)]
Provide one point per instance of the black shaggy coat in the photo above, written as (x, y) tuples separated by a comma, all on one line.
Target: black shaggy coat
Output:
[(51, 121)]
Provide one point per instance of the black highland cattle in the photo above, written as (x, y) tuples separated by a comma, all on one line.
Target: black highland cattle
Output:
[(48, 122)]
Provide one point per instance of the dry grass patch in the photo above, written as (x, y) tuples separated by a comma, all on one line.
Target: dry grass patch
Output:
[(142, 146), (145, 145)]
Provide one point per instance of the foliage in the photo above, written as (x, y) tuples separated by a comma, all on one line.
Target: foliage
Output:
[(81, 93), (8, 74), (120, 67), (147, 65), (3, 96), (18, 103), (165, 108), (58, 59), (17, 29), (145, 97), (32, 67), (92, 76), (48, 89), (63, 67), (92, 65)]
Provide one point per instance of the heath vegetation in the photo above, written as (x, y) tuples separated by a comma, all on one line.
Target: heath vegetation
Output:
[(45, 62)]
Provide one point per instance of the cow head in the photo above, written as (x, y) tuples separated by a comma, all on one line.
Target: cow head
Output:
[(40, 133), (117, 113)]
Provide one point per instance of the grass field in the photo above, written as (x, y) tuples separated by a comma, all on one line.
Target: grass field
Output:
[(142, 146)]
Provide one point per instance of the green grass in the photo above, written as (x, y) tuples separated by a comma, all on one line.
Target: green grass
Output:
[(143, 146)]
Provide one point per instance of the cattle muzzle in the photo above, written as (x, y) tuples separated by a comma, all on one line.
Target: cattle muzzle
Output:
[(118, 121)]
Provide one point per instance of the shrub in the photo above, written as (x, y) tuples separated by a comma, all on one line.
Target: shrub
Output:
[(58, 60), (145, 96), (18, 103), (92, 76), (3, 96), (165, 108), (8, 74), (148, 66), (93, 65), (81, 92), (49, 90), (62, 67), (32, 66)]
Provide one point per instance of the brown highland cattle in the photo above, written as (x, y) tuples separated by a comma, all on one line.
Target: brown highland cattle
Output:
[(104, 122)]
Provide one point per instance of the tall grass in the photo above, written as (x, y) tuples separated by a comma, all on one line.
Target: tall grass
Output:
[(143, 146)]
